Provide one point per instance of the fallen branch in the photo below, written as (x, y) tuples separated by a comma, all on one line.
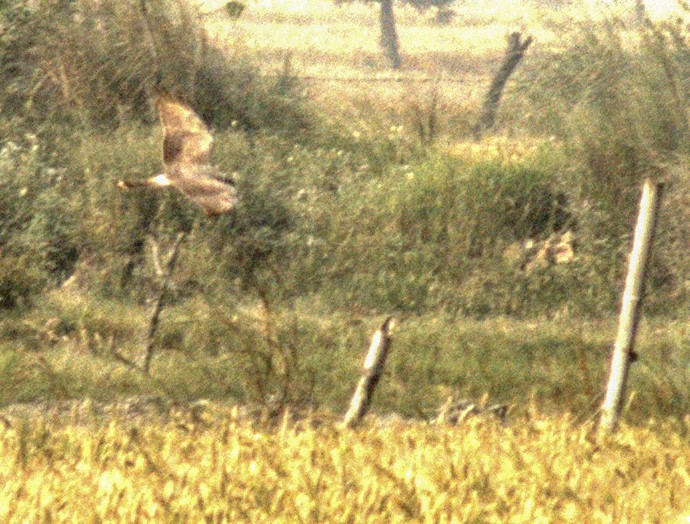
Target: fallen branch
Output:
[(371, 373)]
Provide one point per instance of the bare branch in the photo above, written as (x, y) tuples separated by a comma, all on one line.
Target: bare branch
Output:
[(160, 301)]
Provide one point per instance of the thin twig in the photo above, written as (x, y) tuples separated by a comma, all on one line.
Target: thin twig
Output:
[(160, 301)]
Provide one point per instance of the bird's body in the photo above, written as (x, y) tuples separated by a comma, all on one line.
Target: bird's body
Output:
[(187, 146), (206, 186)]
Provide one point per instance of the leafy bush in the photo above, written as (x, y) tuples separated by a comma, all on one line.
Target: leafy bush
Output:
[(619, 110), (420, 229), (78, 99), (618, 100), (93, 63), (35, 245), (362, 213)]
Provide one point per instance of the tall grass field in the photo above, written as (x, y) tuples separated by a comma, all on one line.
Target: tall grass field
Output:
[(543, 470)]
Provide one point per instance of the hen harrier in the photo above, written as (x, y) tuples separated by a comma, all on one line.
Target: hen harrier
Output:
[(187, 145)]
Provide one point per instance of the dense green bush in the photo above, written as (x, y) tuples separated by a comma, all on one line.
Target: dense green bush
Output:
[(36, 247), (362, 213), (408, 238), (80, 100), (618, 100), (315, 221)]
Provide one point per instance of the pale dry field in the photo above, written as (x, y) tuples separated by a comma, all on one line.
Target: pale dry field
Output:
[(335, 48)]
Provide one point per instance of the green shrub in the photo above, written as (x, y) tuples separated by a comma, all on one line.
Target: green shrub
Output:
[(91, 63), (35, 242), (618, 100), (407, 239)]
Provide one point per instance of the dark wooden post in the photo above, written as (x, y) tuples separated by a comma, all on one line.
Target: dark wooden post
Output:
[(514, 53), (623, 352), (389, 35)]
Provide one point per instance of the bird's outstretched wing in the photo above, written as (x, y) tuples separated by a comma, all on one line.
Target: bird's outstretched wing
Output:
[(187, 145), (186, 138)]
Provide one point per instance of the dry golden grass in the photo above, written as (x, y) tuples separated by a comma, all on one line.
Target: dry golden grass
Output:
[(542, 470)]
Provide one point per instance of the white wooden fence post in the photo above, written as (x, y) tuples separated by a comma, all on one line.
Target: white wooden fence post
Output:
[(371, 373), (623, 353)]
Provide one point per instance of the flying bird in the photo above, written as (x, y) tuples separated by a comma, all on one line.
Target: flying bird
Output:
[(187, 146)]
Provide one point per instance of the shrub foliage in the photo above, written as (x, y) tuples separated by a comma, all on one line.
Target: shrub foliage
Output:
[(361, 213), (92, 62)]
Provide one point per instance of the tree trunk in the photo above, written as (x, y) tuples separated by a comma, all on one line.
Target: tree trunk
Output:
[(389, 35), (640, 12), (514, 53)]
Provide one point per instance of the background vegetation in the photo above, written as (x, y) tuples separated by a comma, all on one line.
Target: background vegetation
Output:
[(362, 194), (355, 202)]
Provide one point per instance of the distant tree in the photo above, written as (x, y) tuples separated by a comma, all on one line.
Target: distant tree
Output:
[(640, 12), (235, 9), (389, 35)]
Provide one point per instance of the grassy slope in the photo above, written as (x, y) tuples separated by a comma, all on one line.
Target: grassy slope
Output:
[(563, 367), (63, 351)]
